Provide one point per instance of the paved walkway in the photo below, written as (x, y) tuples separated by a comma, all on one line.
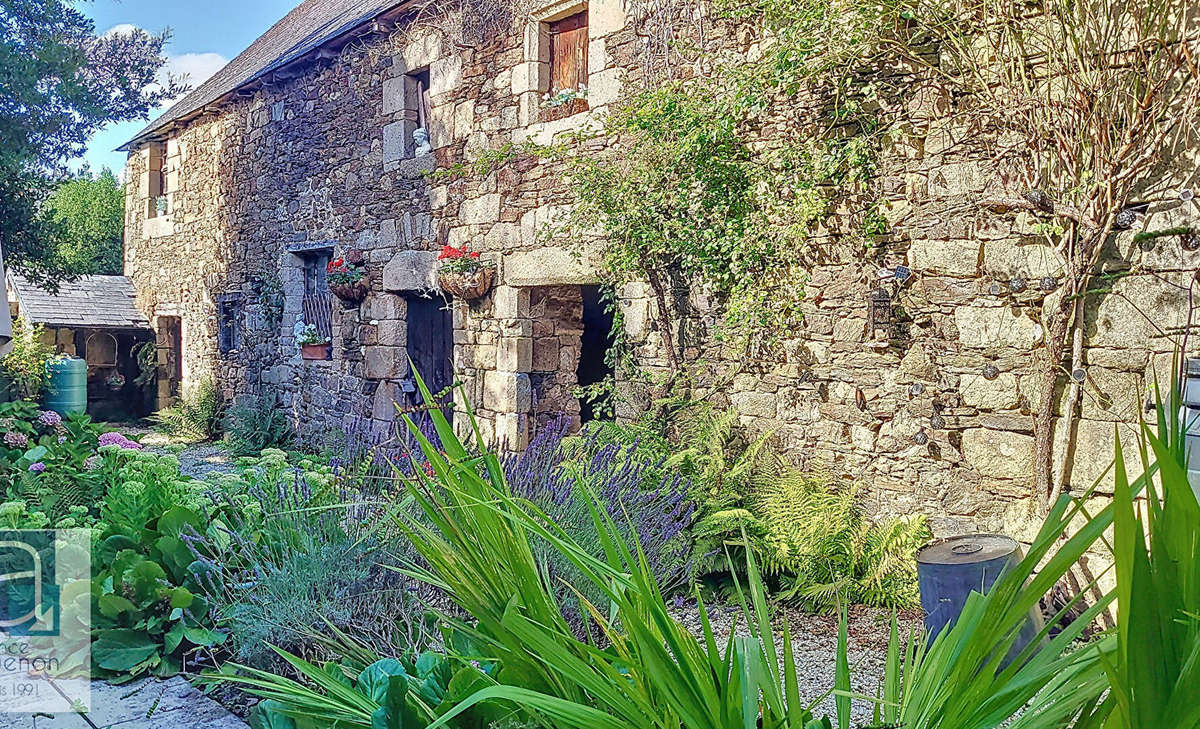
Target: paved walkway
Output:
[(147, 704)]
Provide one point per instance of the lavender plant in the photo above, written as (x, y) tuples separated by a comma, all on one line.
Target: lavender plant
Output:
[(640, 493)]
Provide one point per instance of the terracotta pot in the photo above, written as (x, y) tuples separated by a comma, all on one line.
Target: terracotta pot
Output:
[(351, 293), (468, 286), (316, 351)]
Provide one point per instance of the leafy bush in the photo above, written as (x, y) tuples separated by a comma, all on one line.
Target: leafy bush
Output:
[(810, 536), (813, 540), (149, 610), (198, 415), (255, 424), (288, 560), (388, 693), (25, 365)]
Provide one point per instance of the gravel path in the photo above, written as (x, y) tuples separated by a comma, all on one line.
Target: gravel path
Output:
[(195, 459), (814, 640)]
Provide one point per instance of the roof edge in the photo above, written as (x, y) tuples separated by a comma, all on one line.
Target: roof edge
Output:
[(295, 55)]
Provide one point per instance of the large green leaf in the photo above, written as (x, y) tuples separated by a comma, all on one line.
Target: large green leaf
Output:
[(122, 649), (375, 678)]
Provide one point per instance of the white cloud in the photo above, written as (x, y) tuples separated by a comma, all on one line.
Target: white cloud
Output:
[(120, 29), (192, 69)]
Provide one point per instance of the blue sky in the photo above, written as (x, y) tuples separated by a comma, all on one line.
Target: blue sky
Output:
[(205, 34)]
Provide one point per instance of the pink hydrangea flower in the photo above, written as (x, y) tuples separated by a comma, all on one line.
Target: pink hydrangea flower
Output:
[(117, 439), (13, 439)]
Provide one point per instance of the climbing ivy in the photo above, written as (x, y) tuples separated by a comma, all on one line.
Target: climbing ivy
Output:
[(724, 181)]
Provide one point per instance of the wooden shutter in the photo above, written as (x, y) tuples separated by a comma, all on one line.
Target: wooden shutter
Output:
[(568, 56)]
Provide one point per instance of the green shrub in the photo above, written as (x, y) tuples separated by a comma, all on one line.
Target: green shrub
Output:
[(25, 365), (388, 693), (197, 417), (1153, 669), (816, 541), (149, 612), (257, 423), (810, 535)]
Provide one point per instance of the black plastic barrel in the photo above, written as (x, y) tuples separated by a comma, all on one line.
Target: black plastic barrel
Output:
[(949, 570)]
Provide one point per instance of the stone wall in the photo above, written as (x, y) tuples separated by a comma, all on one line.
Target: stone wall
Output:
[(930, 409)]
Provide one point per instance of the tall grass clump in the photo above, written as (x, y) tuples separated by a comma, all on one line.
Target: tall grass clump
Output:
[(474, 537), (1153, 671)]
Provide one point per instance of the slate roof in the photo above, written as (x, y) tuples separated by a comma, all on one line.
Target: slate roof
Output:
[(95, 302), (312, 24)]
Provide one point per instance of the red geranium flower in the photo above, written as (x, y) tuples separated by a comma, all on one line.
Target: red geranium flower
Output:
[(474, 255), (450, 252)]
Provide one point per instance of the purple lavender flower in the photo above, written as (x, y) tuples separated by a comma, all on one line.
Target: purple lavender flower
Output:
[(49, 419), (13, 439), (647, 501), (38, 467)]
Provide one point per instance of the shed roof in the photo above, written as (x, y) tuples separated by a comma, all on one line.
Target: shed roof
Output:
[(312, 24), (90, 302)]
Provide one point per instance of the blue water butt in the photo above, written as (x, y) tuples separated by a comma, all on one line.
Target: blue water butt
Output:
[(949, 570), (66, 387)]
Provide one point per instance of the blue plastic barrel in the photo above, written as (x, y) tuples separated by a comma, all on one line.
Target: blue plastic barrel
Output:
[(949, 570), (66, 388)]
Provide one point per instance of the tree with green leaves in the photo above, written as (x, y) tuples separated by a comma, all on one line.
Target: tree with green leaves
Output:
[(60, 82), (90, 213)]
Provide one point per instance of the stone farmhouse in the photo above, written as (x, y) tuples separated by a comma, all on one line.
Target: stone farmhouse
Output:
[(306, 147)]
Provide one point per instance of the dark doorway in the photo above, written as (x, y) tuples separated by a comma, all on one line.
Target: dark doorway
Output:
[(595, 343), (431, 343), (118, 388), (170, 338)]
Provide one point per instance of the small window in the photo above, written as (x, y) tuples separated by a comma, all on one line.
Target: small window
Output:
[(316, 272), (416, 113), (229, 323), (156, 205), (100, 350), (567, 94), (317, 305)]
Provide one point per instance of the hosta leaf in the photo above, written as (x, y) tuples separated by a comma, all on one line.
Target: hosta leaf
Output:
[(122, 649)]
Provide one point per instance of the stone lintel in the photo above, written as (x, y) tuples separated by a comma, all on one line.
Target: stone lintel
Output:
[(411, 271)]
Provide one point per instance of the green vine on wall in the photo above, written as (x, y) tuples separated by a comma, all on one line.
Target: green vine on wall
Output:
[(724, 182)]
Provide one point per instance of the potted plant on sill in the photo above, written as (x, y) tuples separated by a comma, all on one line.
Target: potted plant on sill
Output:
[(464, 275), (312, 345), (348, 278)]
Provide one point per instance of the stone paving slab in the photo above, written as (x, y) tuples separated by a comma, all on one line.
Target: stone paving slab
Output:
[(147, 704)]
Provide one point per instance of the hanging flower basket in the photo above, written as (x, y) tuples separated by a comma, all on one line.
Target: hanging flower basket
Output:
[(467, 286), (351, 293), (463, 275), (316, 351), (348, 279), (115, 381)]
